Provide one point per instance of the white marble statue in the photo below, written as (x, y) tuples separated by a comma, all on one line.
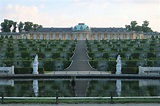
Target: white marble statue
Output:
[(118, 71), (118, 65), (35, 65), (35, 71)]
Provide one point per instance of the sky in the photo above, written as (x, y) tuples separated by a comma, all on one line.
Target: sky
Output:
[(94, 13)]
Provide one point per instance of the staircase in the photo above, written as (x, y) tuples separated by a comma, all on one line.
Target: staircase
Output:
[(80, 63)]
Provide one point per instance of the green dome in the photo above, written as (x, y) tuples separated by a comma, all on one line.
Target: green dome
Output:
[(81, 27)]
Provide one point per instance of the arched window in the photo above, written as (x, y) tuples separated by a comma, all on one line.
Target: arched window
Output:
[(60, 37), (54, 37), (24, 37), (66, 36), (47, 37), (41, 36), (34, 37)]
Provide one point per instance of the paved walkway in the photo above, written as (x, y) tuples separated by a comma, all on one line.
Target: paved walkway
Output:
[(127, 104)]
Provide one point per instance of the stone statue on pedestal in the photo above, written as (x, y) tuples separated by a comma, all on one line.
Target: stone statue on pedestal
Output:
[(35, 65), (118, 71), (35, 71)]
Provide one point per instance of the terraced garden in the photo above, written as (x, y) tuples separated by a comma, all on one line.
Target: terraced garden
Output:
[(134, 53), (53, 54)]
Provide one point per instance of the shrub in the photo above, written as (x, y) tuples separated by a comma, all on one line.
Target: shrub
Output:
[(25, 54), (70, 55), (41, 55), (131, 63), (10, 49), (135, 55), (22, 48), (91, 54), (93, 63), (129, 70), (55, 55), (8, 63), (27, 63), (151, 55), (100, 49), (48, 49), (67, 63), (10, 54), (126, 70), (89, 49), (105, 55), (49, 65), (111, 64), (151, 63), (138, 49)]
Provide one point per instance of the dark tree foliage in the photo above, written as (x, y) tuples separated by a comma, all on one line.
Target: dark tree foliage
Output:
[(135, 27), (11, 26)]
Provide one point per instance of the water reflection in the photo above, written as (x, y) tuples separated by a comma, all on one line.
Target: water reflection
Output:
[(35, 87), (118, 86), (96, 88), (149, 82), (7, 82)]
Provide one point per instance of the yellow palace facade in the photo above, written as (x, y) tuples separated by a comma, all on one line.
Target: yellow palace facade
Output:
[(79, 32), (82, 32)]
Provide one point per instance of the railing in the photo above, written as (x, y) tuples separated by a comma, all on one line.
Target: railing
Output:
[(57, 98), (80, 72)]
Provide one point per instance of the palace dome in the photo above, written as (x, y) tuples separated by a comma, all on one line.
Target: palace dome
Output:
[(81, 27)]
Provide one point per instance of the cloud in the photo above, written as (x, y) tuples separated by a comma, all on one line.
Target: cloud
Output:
[(26, 13), (95, 13)]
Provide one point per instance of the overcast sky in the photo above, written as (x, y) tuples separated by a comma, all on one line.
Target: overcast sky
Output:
[(94, 13)]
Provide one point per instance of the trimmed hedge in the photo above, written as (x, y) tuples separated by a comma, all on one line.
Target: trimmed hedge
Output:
[(112, 67), (126, 70), (49, 65), (27, 70), (93, 63)]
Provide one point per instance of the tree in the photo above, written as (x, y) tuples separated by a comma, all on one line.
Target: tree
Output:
[(28, 26), (20, 26), (133, 25), (36, 26), (128, 27), (145, 27), (138, 28), (6, 25), (145, 23), (14, 26)]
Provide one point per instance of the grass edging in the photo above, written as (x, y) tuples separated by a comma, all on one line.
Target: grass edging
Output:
[(76, 101)]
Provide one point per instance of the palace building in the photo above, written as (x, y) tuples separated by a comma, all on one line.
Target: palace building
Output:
[(78, 32)]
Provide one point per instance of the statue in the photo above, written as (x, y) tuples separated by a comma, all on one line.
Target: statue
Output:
[(118, 65), (118, 71), (35, 65)]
